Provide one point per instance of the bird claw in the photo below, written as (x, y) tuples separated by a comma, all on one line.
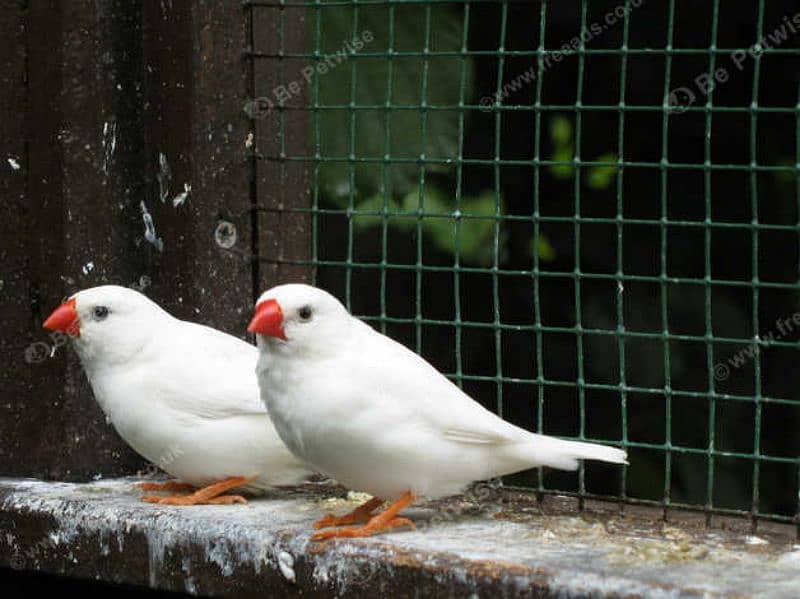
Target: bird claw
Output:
[(367, 530), (151, 498), (363, 513), (210, 495), (191, 500), (329, 520)]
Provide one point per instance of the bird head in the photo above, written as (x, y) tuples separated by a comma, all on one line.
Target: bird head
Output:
[(111, 322), (299, 317)]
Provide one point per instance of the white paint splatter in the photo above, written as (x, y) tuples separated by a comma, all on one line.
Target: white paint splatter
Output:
[(164, 176), (189, 583), (179, 199), (286, 565), (150, 229), (753, 540), (791, 557), (109, 143), (13, 163), (143, 283), (225, 235), (88, 267)]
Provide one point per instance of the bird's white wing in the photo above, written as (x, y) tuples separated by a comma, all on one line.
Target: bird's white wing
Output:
[(429, 398), (212, 374)]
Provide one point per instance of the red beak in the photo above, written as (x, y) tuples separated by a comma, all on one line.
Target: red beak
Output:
[(268, 320), (64, 319)]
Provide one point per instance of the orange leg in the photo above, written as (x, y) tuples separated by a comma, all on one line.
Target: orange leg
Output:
[(210, 495), (170, 485), (362, 513), (386, 520)]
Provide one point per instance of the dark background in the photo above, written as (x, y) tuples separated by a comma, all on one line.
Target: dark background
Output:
[(174, 81), (729, 481)]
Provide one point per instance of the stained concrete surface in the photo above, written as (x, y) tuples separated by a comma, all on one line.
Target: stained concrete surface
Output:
[(491, 542)]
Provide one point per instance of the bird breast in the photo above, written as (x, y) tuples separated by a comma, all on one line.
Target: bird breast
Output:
[(278, 384)]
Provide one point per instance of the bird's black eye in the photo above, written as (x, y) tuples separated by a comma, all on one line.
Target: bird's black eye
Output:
[(100, 313), (305, 313)]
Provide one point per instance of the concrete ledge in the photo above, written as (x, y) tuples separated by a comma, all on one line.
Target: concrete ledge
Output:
[(493, 542)]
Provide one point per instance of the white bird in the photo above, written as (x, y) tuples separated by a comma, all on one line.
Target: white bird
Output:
[(181, 394), (378, 418)]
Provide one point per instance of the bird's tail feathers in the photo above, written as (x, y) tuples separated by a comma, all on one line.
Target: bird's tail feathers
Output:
[(564, 455)]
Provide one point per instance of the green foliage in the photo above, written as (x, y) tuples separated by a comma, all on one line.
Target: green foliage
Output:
[(395, 134), (563, 147), (469, 232), (561, 131), (561, 136), (401, 136), (544, 248), (602, 176)]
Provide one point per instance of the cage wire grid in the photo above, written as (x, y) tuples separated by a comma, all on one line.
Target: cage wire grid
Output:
[(285, 60)]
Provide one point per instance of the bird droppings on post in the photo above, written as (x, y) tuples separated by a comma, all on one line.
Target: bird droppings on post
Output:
[(225, 235), (179, 199), (13, 163), (754, 540), (87, 268), (141, 283), (792, 557), (109, 143), (164, 176), (189, 583), (286, 565), (511, 544), (150, 229)]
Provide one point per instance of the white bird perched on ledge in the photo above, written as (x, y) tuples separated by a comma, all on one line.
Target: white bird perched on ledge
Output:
[(181, 394), (378, 418)]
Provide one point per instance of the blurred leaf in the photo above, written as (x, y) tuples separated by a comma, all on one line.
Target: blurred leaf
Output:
[(602, 177), (476, 232), (473, 239), (560, 131), (377, 133), (544, 249), (362, 219), (563, 150), (563, 171)]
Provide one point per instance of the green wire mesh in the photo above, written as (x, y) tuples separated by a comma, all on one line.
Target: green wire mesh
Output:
[(390, 249)]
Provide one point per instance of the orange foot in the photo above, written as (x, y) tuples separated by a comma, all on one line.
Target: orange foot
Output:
[(362, 513), (386, 520), (210, 495), (170, 485)]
